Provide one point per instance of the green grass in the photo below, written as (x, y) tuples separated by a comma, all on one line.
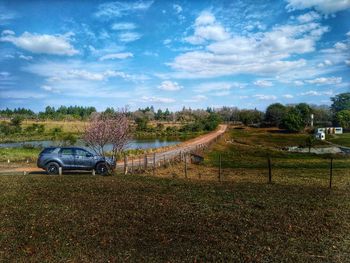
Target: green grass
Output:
[(341, 139), (19, 154), (249, 149), (98, 219)]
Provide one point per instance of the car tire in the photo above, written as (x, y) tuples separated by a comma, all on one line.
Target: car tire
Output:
[(52, 168), (102, 169)]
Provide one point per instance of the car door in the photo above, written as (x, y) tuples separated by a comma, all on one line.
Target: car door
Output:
[(83, 159), (67, 157)]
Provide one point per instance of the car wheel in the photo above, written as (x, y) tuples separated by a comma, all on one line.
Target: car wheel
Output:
[(102, 169), (52, 168)]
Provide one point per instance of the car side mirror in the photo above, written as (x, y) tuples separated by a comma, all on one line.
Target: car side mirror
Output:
[(89, 155)]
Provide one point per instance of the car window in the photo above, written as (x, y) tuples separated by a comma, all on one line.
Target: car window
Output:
[(67, 151), (80, 152)]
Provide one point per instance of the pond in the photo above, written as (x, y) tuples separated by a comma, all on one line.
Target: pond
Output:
[(133, 144)]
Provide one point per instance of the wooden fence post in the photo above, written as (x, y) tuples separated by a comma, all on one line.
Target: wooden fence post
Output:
[(154, 164), (93, 172), (270, 171), (219, 167), (185, 165), (145, 162), (60, 170), (125, 164), (331, 173), (132, 165)]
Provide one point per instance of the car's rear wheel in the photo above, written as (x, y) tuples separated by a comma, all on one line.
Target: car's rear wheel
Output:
[(52, 168), (102, 168)]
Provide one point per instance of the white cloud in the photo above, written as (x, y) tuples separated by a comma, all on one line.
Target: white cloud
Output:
[(217, 86), (197, 98), (42, 44), (308, 17), (266, 53), (323, 6), (298, 82), (263, 83), (288, 96), (129, 36), (157, 99), (177, 8), (117, 56), (317, 93), (265, 97), (347, 62), (167, 41), (205, 18), (207, 29), (6, 15), (325, 81), (123, 26), (25, 57), (169, 86), (118, 9)]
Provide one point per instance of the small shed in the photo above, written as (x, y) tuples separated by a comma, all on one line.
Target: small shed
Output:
[(338, 130), (196, 159)]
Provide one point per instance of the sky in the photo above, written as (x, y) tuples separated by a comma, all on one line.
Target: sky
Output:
[(171, 54)]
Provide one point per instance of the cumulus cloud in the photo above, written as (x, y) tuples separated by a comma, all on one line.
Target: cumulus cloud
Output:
[(42, 44), (263, 83), (207, 29), (154, 99), (129, 36), (117, 56), (118, 9), (325, 81), (288, 96), (308, 17), (169, 86), (123, 26), (323, 6), (266, 53)]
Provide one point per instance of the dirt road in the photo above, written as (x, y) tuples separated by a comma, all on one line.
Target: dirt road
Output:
[(161, 154)]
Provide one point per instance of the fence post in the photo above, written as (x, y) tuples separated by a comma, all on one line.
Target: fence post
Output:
[(219, 167), (132, 165), (185, 165), (125, 164), (331, 173), (270, 172), (145, 162), (93, 172), (60, 170), (180, 156), (154, 164)]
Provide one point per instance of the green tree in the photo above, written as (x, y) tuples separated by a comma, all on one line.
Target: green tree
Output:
[(305, 112), (342, 118), (341, 102), (274, 114), (293, 120)]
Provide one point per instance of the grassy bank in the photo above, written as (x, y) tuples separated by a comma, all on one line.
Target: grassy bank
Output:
[(340, 139), (133, 218)]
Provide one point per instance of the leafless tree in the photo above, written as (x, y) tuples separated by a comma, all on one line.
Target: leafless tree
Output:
[(106, 129)]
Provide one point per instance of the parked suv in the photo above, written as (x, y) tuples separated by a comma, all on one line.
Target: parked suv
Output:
[(73, 158)]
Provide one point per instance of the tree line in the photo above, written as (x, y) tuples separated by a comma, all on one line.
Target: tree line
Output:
[(290, 117)]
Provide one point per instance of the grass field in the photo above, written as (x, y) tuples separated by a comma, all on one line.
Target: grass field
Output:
[(340, 139), (135, 218), (82, 218)]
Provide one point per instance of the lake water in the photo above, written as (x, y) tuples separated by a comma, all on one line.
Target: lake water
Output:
[(133, 144)]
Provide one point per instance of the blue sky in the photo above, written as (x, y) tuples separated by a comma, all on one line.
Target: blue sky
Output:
[(172, 54)]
